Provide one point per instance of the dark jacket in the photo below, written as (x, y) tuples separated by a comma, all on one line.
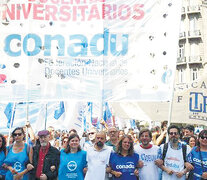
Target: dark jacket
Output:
[(52, 158)]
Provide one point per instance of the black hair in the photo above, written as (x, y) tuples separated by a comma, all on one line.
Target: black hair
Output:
[(18, 128), (68, 149), (172, 127), (203, 132), (145, 130), (3, 146), (73, 130), (163, 124), (190, 128)]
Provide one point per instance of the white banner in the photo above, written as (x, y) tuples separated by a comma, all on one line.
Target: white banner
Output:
[(91, 50)]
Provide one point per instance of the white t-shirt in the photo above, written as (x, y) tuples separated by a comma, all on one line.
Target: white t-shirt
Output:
[(174, 161), (97, 162), (149, 171)]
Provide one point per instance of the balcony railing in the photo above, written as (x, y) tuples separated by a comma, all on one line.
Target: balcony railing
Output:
[(182, 35), (181, 60), (195, 59), (194, 9), (194, 34)]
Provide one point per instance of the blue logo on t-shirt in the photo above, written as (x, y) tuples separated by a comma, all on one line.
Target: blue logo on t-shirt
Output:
[(72, 165)]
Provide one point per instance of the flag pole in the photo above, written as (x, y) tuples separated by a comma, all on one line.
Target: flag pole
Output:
[(45, 116), (27, 120), (170, 108), (11, 122)]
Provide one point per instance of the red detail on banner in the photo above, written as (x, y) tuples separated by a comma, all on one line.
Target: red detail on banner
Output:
[(2, 78)]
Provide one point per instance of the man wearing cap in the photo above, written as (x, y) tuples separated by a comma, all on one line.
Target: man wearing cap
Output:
[(45, 159)]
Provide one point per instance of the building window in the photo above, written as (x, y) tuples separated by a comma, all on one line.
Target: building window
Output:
[(194, 49), (194, 74), (181, 50), (180, 76), (193, 23)]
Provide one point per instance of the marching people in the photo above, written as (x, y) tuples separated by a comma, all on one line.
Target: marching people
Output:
[(91, 136), (192, 141), (64, 143), (45, 160), (113, 134), (148, 155), (198, 158), (2, 156), (174, 154), (72, 160), (19, 153), (124, 162), (98, 158)]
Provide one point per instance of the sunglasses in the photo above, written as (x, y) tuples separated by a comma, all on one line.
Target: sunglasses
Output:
[(203, 137), (91, 133), (65, 141), (17, 134), (173, 133)]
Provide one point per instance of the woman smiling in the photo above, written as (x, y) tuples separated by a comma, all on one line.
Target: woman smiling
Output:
[(72, 160), (124, 163)]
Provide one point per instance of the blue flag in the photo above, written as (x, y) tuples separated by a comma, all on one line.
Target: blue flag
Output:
[(10, 116), (60, 110), (107, 112)]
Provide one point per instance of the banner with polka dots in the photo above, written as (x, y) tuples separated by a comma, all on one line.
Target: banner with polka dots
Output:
[(90, 50)]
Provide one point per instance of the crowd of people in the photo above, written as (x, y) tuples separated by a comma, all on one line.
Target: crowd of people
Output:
[(166, 153)]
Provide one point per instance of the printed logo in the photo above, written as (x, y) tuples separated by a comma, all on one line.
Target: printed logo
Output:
[(72, 166), (17, 166), (129, 165)]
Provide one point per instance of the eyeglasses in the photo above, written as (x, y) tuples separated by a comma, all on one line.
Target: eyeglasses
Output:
[(203, 137), (173, 133), (65, 141), (91, 133), (17, 134)]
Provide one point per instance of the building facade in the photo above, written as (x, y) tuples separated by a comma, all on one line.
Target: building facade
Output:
[(192, 50)]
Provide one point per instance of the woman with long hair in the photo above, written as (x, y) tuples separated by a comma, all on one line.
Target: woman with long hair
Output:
[(124, 162), (192, 141), (198, 158), (2, 156), (72, 160), (17, 156)]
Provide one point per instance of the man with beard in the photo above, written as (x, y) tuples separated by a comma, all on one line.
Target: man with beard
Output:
[(148, 154), (174, 155), (98, 158), (45, 160)]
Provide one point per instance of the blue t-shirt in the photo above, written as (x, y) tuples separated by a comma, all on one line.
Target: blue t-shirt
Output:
[(71, 165), (125, 165), (194, 158), (17, 161), (2, 158)]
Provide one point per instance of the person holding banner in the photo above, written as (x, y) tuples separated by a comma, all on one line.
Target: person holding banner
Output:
[(72, 160), (19, 153), (2, 156)]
